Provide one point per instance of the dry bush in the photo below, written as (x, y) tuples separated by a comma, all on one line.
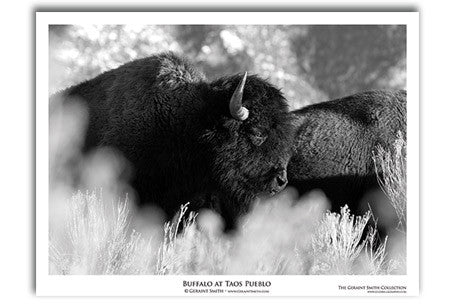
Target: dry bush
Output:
[(343, 245), (391, 173), (277, 237), (337, 242), (99, 240)]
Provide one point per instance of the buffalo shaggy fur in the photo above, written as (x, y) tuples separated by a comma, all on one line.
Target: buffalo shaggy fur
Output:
[(175, 129), (335, 142)]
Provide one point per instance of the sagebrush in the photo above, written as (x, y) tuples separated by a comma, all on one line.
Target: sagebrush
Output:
[(276, 238)]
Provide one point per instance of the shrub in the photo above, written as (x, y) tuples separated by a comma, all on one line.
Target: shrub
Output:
[(391, 173), (99, 240), (277, 237)]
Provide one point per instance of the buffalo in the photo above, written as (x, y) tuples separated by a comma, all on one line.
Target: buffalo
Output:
[(186, 137), (335, 144)]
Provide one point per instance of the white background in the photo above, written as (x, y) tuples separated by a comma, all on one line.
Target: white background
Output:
[(171, 285), (17, 158)]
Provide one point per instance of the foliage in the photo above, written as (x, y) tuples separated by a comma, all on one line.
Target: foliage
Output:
[(309, 63), (345, 59)]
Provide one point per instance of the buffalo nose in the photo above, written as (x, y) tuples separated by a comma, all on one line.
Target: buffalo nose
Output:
[(282, 179)]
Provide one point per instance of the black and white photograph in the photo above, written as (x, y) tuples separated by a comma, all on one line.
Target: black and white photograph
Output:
[(221, 158)]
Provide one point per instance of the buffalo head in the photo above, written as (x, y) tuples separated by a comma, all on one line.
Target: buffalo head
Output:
[(249, 135)]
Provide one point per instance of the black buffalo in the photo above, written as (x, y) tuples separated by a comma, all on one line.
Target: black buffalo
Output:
[(335, 142), (186, 137)]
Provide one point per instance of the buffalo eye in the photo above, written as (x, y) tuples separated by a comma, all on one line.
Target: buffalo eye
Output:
[(257, 137)]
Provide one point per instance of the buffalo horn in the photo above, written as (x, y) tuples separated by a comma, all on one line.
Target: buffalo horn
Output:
[(237, 111)]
